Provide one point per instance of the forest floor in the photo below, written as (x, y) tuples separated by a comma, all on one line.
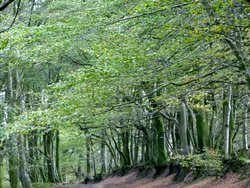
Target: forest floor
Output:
[(133, 180)]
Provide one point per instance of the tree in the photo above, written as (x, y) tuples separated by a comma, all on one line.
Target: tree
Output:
[(5, 4), (124, 82)]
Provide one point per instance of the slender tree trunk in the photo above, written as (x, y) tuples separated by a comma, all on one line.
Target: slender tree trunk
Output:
[(146, 141), (183, 129), (103, 153), (154, 145), (174, 141), (147, 150), (211, 136), (1, 167), (232, 122), (13, 162), (131, 149), (227, 112), (57, 155), (202, 130), (110, 164), (245, 126), (33, 156), (213, 122), (78, 172), (111, 150), (118, 148), (23, 170), (136, 148), (192, 126), (125, 146), (43, 166), (142, 160), (23, 167), (2, 151), (88, 156), (49, 149), (93, 156), (11, 143), (169, 139), (50, 159)]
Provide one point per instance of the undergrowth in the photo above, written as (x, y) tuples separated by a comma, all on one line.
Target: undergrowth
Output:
[(205, 163), (199, 165)]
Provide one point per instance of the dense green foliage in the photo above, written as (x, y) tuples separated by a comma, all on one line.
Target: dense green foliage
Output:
[(91, 86)]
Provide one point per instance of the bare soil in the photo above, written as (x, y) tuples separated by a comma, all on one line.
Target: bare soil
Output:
[(132, 180)]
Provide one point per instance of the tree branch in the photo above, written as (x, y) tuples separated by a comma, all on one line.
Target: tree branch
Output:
[(146, 13), (5, 4), (76, 62), (170, 118), (86, 128), (14, 20)]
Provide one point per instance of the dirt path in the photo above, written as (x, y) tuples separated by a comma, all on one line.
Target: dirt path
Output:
[(231, 180)]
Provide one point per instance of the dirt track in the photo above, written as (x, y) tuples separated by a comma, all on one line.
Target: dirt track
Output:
[(231, 180)]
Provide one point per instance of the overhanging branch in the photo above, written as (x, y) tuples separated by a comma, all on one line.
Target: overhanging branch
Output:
[(147, 13), (5, 4), (14, 19)]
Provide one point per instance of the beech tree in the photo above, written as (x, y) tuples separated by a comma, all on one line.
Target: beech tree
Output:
[(120, 83)]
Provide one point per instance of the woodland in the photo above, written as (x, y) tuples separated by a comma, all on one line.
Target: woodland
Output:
[(89, 87)]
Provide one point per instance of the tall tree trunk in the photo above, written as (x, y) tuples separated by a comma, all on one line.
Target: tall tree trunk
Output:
[(159, 140), (88, 156), (245, 126), (33, 156), (57, 155), (183, 129), (103, 153), (213, 122), (136, 148), (50, 159), (118, 148), (202, 129), (11, 143), (232, 121), (193, 125), (13, 162), (1, 167), (131, 149), (49, 149), (125, 146), (111, 150), (93, 157), (2, 151), (147, 148), (174, 140), (169, 139), (23, 169), (226, 122)]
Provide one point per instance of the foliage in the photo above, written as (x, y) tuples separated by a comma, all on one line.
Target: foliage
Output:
[(206, 163), (102, 71)]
